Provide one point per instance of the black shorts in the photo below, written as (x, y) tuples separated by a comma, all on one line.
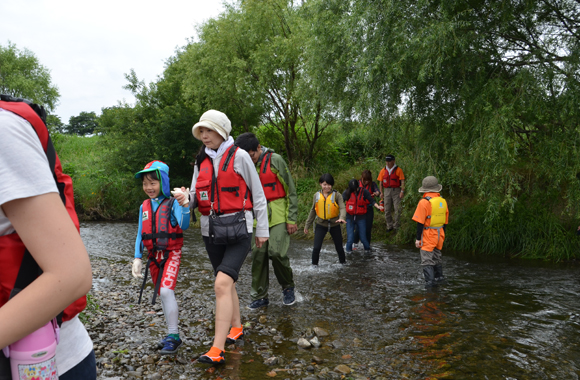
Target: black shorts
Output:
[(228, 258)]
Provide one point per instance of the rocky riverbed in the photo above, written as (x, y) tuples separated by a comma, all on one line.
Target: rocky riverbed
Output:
[(125, 334), (370, 319)]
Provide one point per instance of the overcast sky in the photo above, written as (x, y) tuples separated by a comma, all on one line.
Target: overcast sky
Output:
[(88, 46)]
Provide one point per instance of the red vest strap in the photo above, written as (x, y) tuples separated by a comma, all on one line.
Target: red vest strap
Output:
[(24, 111)]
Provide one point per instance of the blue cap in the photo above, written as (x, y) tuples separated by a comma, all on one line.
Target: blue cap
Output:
[(162, 172)]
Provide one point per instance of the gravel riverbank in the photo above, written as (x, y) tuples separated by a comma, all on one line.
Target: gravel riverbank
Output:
[(125, 334)]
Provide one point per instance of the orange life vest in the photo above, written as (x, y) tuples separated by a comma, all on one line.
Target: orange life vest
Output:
[(225, 193), (273, 188)]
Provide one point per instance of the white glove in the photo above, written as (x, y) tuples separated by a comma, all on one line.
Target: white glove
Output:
[(177, 190), (137, 266)]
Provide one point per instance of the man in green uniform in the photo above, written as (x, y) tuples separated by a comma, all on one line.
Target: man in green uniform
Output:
[(282, 214)]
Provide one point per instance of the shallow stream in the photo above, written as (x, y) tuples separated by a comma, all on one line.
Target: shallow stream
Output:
[(492, 319)]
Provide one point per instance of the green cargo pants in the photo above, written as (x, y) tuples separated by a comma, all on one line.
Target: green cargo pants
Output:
[(275, 249)]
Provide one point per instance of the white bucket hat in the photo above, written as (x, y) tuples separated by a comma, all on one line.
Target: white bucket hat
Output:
[(430, 185), (214, 120)]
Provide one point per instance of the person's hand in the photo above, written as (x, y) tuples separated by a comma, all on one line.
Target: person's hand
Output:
[(382, 195), (137, 266), (379, 207), (341, 221), (181, 195), (260, 241), (401, 194), (418, 243), (291, 228), (376, 194), (306, 230)]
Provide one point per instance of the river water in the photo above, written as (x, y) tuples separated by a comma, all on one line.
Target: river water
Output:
[(492, 319)]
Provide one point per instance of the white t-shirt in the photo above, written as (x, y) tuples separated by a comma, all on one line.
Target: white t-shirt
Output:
[(25, 172)]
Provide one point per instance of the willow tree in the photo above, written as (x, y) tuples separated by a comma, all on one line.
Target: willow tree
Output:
[(250, 62), (493, 85), (483, 94)]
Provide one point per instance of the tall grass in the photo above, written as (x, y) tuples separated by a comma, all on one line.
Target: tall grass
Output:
[(100, 192)]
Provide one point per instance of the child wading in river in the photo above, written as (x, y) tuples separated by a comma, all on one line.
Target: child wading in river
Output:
[(161, 224), (329, 211)]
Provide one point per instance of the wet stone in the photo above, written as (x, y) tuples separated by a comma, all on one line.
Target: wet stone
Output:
[(304, 343), (319, 331)]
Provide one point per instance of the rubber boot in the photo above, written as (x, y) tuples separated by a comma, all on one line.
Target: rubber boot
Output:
[(429, 273), (439, 278)]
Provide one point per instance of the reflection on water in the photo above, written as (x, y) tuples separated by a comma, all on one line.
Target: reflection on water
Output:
[(491, 320)]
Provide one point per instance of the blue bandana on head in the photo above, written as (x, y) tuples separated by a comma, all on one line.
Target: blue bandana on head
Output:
[(162, 173)]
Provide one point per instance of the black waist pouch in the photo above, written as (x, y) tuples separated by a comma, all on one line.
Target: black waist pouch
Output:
[(228, 229)]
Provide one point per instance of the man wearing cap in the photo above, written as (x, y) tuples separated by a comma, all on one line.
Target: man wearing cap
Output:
[(392, 182), (282, 215), (431, 215)]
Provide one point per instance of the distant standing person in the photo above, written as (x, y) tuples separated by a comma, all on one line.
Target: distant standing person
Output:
[(282, 215), (392, 182), (357, 199), (329, 210), (366, 182), (431, 215)]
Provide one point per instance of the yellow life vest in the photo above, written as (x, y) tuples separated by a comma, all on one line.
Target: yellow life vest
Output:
[(326, 208), (438, 211)]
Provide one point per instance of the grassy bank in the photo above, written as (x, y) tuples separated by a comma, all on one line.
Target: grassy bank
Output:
[(101, 192), (528, 230)]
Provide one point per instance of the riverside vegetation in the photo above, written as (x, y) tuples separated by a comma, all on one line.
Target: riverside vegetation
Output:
[(483, 95), (529, 230)]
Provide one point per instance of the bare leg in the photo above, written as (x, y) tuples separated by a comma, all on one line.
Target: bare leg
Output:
[(236, 318), (224, 309)]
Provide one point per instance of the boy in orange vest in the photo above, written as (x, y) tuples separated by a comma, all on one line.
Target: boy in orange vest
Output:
[(431, 215)]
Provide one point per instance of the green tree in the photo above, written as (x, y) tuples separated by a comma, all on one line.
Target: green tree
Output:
[(157, 127), (482, 94), (251, 63), (22, 76), (83, 124), (55, 124)]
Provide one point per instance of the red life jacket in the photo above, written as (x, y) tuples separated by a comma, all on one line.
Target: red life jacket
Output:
[(157, 233), (13, 253), (391, 180), (232, 193), (369, 187), (273, 188), (356, 204)]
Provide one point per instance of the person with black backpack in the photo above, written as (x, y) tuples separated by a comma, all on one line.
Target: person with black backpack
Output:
[(40, 241)]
